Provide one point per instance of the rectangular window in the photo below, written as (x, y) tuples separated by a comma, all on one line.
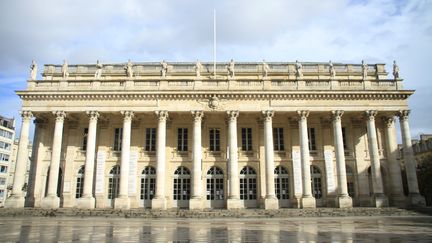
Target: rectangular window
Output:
[(312, 138), (4, 145), (5, 134), (2, 193), (182, 139), (118, 136), (246, 139), (278, 139), (344, 140), (214, 139), (2, 181), (3, 169), (4, 157), (84, 141), (150, 143)]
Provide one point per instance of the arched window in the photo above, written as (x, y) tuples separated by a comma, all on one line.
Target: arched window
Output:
[(248, 184), (148, 183), (181, 185), (350, 181), (281, 182), (316, 182), (80, 183), (113, 182), (215, 184)]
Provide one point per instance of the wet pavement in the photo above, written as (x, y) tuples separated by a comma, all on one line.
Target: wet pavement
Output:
[(366, 229)]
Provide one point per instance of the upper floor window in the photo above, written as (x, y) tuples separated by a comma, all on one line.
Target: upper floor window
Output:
[(6, 134), (118, 136), (4, 145), (150, 142), (4, 157), (84, 141), (278, 139), (3, 169), (214, 139), (182, 139), (246, 139), (2, 181), (312, 138), (344, 138)]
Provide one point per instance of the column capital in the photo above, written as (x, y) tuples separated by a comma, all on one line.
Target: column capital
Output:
[(162, 115), (337, 115), (389, 121), (127, 114), (403, 114), (26, 115), (198, 115), (93, 115), (268, 115), (303, 114), (370, 114), (232, 115), (59, 115)]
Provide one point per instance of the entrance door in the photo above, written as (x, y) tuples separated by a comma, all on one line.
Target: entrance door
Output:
[(215, 188), (317, 185), (248, 187), (282, 186), (181, 187), (148, 186), (113, 184)]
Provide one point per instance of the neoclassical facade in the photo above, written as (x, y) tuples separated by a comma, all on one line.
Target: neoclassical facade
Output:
[(180, 135)]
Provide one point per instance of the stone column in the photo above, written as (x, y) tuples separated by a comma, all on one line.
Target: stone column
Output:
[(270, 201), (410, 164), (343, 199), (88, 200), (196, 200), (16, 200), (159, 201), (397, 195), (379, 199), (233, 201), (122, 201), (52, 200), (307, 201)]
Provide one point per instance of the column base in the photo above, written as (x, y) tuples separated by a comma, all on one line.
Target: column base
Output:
[(398, 201), (14, 202), (296, 202), (234, 203), (379, 200), (271, 203), (308, 202), (122, 202), (50, 202), (196, 203), (30, 201), (159, 203), (344, 202), (86, 203), (416, 200)]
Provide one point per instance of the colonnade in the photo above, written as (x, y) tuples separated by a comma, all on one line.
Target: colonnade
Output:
[(51, 200)]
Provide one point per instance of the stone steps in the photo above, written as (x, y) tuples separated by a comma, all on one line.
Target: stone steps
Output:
[(214, 213)]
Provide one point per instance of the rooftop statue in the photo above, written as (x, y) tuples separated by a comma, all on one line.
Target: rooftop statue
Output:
[(230, 68), (332, 70), (129, 69), (164, 70), (395, 70), (364, 69), (299, 69), (33, 70), (266, 68), (65, 69), (198, 67), (99, 67)]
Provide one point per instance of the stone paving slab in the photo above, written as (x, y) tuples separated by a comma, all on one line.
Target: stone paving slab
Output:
[(214, 213)]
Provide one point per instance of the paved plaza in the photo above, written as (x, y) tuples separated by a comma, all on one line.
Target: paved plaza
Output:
[(98, 229)]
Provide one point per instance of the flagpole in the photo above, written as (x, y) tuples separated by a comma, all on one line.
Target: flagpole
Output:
[(214, 43)]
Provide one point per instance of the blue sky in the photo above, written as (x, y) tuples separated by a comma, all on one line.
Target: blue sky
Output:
[(83, 31)]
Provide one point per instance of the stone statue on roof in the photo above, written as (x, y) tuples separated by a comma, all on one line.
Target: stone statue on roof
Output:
[(299, 69), (266, 68), (33, 70), (395, 70), (198, 67), (230, 68), (65, 69), (129, 69), (364, 69), (332, 70), (99, 66), (164, 70)]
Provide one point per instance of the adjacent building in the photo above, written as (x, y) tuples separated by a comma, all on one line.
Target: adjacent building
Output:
[(230, 135), (7, 136), (12, 165)]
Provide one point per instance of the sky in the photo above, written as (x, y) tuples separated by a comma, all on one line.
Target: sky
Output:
[(83, 31)]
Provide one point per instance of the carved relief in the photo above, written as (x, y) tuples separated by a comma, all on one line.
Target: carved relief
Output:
[(59, 115), (337, 115), (268, 115), (128, 115), (197, 115), (93, 115), (162, 115), (26, 115), (232, 115), (403, 114)]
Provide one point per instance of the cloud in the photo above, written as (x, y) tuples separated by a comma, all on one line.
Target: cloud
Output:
[(248, 30)]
